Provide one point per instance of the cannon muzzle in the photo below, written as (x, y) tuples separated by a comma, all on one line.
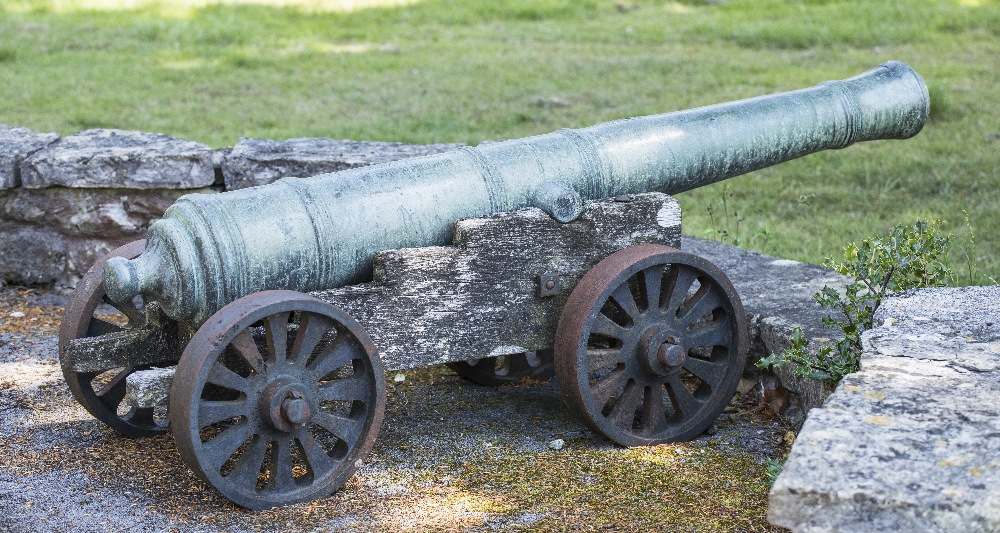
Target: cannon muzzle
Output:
[(321, 232)]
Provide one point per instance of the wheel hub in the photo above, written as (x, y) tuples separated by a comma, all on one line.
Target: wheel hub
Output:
[(671, 354), (660, 353), (286, 404)]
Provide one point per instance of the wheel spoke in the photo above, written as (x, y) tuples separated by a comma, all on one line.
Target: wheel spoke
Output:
[(707, 301), (685, 404), (221, 375), (623, 295), (654, 418), (276, 329), (346, 389), (623, 413), (340, 352), (247, 347), (113, 392), (318, 459), (652, 279), (345, 429), (282, 477), (225, 444), (608, 385), (718, 333), (711, 373), (603, 325), (213, 412), (679, 283), (142, 416), (247, 468), (311, 330)]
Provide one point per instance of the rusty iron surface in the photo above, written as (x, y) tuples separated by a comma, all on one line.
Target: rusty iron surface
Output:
[(651, 345), (101, 390), (277, 399), (322, 232)]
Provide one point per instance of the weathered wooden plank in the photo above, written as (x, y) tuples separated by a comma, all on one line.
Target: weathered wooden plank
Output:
[(481, 296)]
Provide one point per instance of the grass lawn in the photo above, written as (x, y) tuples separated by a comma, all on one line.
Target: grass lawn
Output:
[(450, 71)]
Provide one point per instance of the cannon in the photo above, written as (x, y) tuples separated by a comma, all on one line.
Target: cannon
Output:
[(266, 317)]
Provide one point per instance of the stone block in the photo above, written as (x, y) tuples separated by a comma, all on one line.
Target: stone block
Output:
[(255, 162), (106, 158), (15, 145), (82, 253), (30, 255), (911, 442), (37, 255), (54, 235), (108, 214)]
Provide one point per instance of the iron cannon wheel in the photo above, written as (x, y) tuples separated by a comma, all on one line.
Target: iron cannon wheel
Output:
[(277, 399), (503, 369), (102, 393), (651, 345)]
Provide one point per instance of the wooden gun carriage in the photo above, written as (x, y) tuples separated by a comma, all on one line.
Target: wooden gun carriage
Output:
[(272, 313)]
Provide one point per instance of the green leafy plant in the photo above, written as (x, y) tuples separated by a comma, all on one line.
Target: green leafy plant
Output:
[(908, 257), (774, 467)]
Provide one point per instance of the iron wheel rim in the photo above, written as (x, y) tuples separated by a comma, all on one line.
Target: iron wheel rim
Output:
[(80, 321), (643, 374), (260, 458)]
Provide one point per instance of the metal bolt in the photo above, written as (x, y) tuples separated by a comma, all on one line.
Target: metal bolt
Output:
[(670, 355), (296, 410), (548, 285)]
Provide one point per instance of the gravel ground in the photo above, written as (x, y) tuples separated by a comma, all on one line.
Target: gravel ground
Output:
[(450, 456)]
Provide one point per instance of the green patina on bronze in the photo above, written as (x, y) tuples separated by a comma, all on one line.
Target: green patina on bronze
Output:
[(321, 232)]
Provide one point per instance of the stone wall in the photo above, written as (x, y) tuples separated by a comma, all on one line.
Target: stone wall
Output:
[(911, 442), (67, 201)]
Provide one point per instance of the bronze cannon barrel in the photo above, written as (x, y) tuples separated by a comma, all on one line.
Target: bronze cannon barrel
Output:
[(321, 232)]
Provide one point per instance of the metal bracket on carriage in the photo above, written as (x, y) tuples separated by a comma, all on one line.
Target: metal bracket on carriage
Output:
[(548, 285), (159, 341)]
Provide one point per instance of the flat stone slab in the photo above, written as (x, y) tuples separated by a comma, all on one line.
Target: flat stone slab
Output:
[(107, 158), (54, 235), (255, 162), (15, 145), (912, 441), (777, 295), (101, 213)]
